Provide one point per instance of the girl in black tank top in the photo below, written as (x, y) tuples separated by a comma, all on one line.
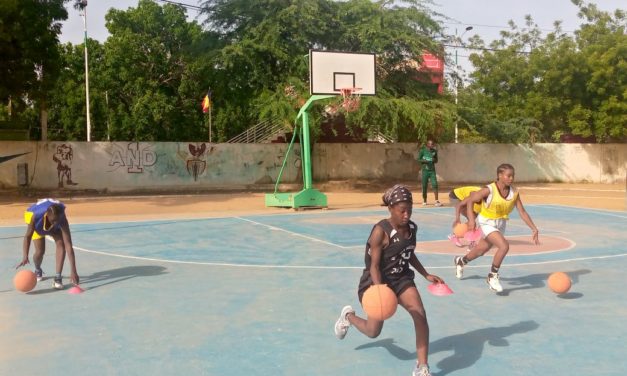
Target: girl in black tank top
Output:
[(388, 257)]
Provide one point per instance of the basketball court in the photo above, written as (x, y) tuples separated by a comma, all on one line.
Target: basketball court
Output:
[(259, 294), (257, 290)]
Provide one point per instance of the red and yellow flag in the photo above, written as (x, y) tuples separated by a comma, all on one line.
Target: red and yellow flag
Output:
[(206, 102)]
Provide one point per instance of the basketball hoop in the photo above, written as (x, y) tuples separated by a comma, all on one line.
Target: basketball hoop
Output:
[(350, 98)]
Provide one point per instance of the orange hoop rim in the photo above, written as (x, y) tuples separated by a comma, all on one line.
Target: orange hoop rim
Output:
[(350, 91)]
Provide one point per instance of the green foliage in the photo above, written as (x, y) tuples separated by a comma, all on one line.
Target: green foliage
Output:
[(29, 59), (148, 79), (152, 74), (266, 47), (529, 88)]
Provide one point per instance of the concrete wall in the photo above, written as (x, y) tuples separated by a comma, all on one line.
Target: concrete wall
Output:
[(468, 163), (124, 166)]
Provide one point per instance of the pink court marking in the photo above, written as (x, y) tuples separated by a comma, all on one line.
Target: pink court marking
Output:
[(518, 245)]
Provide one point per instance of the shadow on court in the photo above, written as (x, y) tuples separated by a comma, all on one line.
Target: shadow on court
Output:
[(109, 276), (121, 274), (534, 281), (467, 348)]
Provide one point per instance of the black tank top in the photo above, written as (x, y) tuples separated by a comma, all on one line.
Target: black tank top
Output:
[(395, 257)]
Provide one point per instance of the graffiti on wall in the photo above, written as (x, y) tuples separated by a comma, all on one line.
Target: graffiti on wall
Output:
[(63, 156), (195, 162), (133, 156)]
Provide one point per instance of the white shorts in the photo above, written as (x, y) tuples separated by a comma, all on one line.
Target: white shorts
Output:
[(489, 226)]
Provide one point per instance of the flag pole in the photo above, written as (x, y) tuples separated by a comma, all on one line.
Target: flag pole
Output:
[(210, 123)]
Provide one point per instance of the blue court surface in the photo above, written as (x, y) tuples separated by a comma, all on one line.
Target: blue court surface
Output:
[(259, 295)]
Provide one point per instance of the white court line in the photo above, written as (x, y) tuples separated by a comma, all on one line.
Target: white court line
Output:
[(568, 189), (594, 211), (292, 233), (571, 245), (539, 262), (233, 265), (511, 224), (582, 197), (216, 263)]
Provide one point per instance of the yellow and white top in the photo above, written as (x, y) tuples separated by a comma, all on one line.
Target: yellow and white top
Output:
[(463, 192), (496, 206)]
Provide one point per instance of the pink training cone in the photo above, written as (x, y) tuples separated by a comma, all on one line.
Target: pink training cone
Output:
[(75, 290), (473, 236), (439, 289)]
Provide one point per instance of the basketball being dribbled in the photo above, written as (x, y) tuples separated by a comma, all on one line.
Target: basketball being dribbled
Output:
[(25, 280), (379, 302), (559, 282), (460, 229)]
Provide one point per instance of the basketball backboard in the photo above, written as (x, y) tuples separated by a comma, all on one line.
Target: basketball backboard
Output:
[(330, 71)]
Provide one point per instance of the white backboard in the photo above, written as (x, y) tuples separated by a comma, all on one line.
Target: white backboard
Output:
[(331, 71)]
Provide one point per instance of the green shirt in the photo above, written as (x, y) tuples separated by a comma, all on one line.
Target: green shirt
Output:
[(428, 158)]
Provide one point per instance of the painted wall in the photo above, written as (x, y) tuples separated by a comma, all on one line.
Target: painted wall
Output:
[(124, 166)]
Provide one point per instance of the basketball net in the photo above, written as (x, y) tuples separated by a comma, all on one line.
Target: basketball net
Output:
[(350, 98), (348, 103)]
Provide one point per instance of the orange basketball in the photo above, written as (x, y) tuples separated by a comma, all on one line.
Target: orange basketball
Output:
[(25, 280), (379, 302), (460, 229), (559, 282)]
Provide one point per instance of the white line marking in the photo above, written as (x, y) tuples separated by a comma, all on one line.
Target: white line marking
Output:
[(582, 197), (571, 245), (419, 243), (569, 189), (216, 263), (594, 211), (539, 262), (232, 265), (291, 232)]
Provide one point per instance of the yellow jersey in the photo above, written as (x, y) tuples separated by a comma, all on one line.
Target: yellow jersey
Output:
[(496, 206), (463, 192)]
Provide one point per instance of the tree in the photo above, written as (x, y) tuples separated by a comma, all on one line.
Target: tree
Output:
[(530, 88), (153, 74), (265, 50), (603, 45), (29, 31), (67, 106)]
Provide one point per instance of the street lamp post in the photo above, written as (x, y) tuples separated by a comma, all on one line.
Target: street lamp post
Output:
[(458, 42), (83, 9)]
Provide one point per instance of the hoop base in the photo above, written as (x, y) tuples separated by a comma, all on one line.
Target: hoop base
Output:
[(309, 197)]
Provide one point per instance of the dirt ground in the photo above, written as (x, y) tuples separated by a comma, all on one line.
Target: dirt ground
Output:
[(84, 207)]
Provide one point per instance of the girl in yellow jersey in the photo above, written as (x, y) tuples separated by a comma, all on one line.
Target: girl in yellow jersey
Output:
[(497, 200), (456, 198)]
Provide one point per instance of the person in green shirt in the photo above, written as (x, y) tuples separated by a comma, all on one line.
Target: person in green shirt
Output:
[(428, 157)]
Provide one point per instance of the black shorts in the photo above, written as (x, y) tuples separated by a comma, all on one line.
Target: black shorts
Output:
[(453, 196), (397, 284)]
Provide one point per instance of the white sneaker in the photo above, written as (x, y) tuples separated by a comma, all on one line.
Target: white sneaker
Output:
[(438, 203), (342, 324), (40, 275), (57, 284), (459, 267), (493, 282), (424, 203), (422, 370)]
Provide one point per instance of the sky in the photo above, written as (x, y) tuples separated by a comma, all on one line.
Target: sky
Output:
[(487, 18)]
